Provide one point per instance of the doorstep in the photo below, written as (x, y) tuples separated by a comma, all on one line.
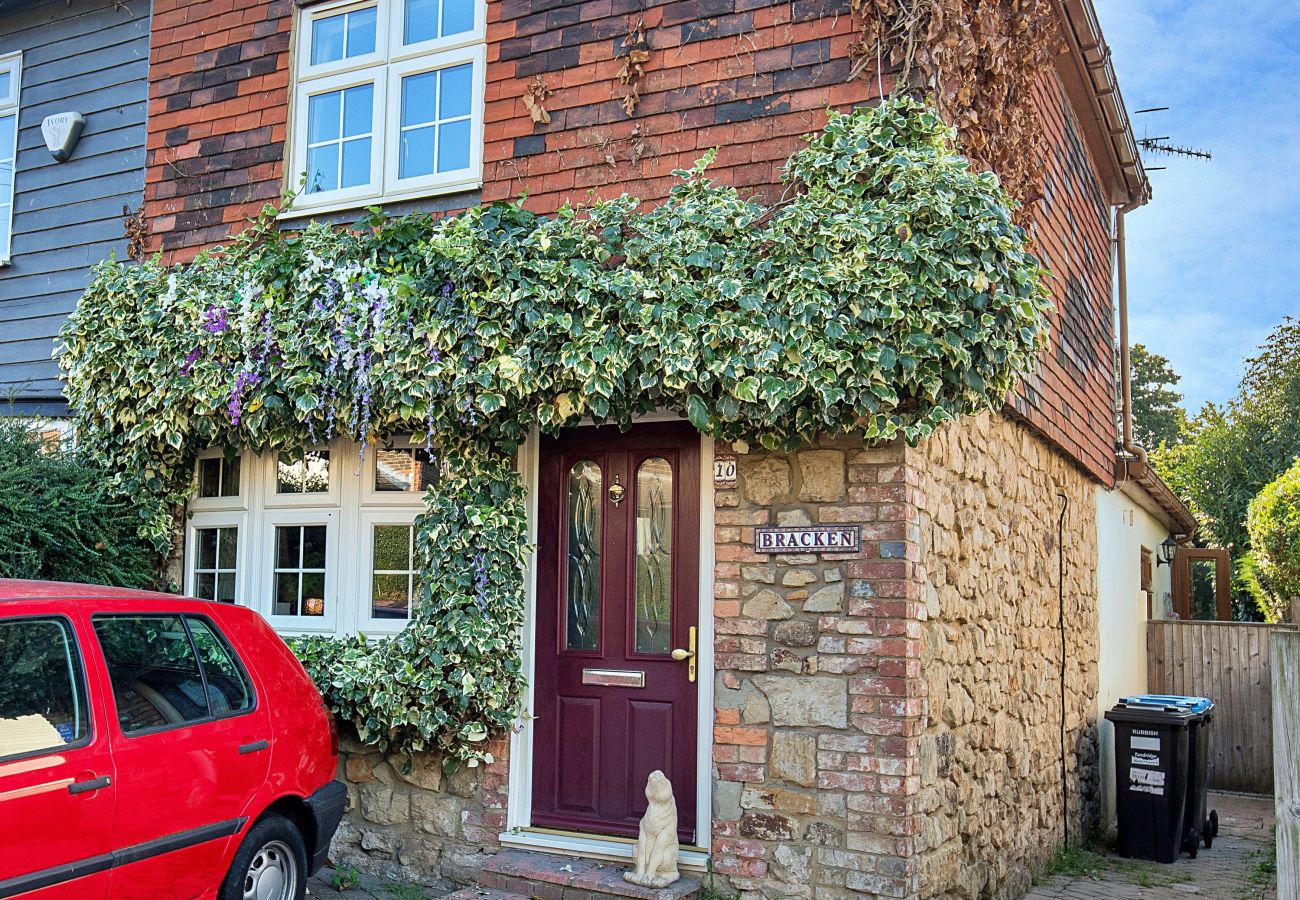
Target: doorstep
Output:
[(548, 876)]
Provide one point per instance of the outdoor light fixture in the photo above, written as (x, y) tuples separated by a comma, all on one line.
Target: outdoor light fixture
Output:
[(1167, 549), (61, 132)]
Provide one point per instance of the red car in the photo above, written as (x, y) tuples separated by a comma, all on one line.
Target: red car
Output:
[(157, 748)]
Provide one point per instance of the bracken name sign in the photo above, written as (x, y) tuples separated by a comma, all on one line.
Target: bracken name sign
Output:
[(809, 539)]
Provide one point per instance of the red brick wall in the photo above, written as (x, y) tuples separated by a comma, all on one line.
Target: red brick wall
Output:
[(746, 76)]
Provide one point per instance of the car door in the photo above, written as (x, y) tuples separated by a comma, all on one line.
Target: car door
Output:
[(56, 772), (190, 743)]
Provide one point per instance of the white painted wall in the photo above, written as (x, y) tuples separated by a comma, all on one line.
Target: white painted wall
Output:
[(1124, 528)]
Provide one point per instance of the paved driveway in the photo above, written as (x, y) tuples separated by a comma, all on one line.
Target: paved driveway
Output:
[(1233, 869)]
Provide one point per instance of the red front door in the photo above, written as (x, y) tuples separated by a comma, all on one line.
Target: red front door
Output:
[(617, 592)]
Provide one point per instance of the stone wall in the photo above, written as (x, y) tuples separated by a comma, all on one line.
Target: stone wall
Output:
[(407, 820), (990, 797), (818, 684)]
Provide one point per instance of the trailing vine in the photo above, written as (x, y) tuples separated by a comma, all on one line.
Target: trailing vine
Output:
[(890, 293), (980, 59)]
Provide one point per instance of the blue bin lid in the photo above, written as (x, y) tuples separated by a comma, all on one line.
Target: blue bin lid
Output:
[(1195, 705)]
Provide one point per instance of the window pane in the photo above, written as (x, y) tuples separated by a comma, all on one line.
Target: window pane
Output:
[(230, 478), (323, 168), (361, 32), (419, 98), (391, 597), (152, 668), (392, 548), (228, 547), (455, 90), (225, 587), (288, 543), (210, 478), (327, 39), (654, 560), (453, 146), (313, 547), (421, 21), (356, 163), (1205, 598), (286, 594), (207, 541), (228, 688), (583, 596), (417, 152), (457, 16), (305, 474), (6, 83), (205, 586), (404, 470), (323, 117), (42, 701), (358, 107), (7, 135), (313, 594)]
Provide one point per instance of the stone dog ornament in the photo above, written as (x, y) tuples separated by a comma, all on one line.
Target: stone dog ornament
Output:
[(655, 854)]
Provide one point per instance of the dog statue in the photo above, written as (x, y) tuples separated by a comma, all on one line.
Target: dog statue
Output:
[(655, 854)]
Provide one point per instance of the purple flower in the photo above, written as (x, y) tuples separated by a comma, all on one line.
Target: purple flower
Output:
[(190, 359), (214, 320), (446, 288), (236, 405)]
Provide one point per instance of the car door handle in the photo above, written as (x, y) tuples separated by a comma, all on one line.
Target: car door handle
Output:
[(254, 747), (94, 784)]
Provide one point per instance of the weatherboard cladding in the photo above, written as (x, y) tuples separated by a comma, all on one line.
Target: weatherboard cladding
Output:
[(91, 56)]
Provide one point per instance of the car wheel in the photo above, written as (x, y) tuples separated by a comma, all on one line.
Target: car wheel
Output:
[(271, 863)]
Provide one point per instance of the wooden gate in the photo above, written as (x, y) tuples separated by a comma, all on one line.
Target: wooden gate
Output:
[(1229, 663)]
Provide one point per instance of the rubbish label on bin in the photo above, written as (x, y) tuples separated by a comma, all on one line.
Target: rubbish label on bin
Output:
[(1144, 743), (1146, 781), (1145, 759)]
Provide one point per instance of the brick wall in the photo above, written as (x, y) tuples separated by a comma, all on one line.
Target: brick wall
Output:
[(746, 76), (819, 695)]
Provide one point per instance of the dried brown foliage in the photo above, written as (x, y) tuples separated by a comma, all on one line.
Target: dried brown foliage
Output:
[(136, 231), (979, 59), (637, 50), (535, 95)]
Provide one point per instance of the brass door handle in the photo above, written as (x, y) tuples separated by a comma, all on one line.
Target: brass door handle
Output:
[(688, 656)]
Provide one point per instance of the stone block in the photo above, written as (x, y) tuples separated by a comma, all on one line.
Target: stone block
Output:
[(821, 476), (792, 757), (829, 598), (764, 481), (804, 701), (767, 604)]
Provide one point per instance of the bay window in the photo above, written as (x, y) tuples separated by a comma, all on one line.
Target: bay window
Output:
[(388, 101), (317, 541)]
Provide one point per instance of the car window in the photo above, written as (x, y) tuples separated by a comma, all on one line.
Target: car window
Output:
[(42, 687), (228, 688), (154, 672)]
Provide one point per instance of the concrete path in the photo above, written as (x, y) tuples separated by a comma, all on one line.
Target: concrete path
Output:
[(1233, 869)]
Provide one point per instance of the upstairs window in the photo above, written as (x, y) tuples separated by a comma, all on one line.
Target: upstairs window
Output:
[(10, 76), (388, 101)]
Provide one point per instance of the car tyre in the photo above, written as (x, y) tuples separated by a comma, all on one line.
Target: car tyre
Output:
[(271, 863)]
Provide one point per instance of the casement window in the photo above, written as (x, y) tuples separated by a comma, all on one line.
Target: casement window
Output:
[(388, 101), (316, 540), (10, 80)]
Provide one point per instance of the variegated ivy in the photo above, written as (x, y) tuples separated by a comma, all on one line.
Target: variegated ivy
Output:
[(888, 293)]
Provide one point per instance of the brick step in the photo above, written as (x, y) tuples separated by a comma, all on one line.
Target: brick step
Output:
[(550, 876), (482, 893)]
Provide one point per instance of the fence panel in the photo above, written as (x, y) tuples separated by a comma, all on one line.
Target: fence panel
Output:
[(1229, 663)]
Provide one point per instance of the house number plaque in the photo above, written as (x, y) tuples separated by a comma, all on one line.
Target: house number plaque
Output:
[(724, 471), (809, 539)]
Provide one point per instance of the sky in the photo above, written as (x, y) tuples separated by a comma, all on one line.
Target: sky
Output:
[(1214, 259)]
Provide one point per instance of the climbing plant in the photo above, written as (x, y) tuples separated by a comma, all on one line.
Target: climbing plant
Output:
[(889, 293)]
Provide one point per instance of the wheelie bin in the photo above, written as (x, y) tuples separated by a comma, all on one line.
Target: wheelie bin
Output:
[(1151, 768), (1198, 824)]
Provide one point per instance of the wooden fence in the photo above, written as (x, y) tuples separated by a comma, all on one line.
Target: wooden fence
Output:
[(1286, 713), (1229, 663)]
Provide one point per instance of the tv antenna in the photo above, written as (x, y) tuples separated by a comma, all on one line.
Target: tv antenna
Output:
[(1161, 144)]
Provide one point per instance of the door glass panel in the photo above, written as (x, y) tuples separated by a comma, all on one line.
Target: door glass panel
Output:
[(1205, 603), (582, 608), (153, 670), (654, 556), (42, 699)]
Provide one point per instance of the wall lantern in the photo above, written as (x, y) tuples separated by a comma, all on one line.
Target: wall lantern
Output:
[(1167, 549), (61, 132)]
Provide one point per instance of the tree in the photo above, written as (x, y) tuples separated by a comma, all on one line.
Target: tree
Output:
[(1157, 417), (1273, 521)]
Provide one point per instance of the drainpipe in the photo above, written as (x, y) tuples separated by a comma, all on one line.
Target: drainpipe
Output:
[(1126, 374)]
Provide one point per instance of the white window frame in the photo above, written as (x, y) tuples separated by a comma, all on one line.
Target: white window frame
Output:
[(236, 501), (219, 519), (10, 105), (384, 68), (265, 601), (367, 622)]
